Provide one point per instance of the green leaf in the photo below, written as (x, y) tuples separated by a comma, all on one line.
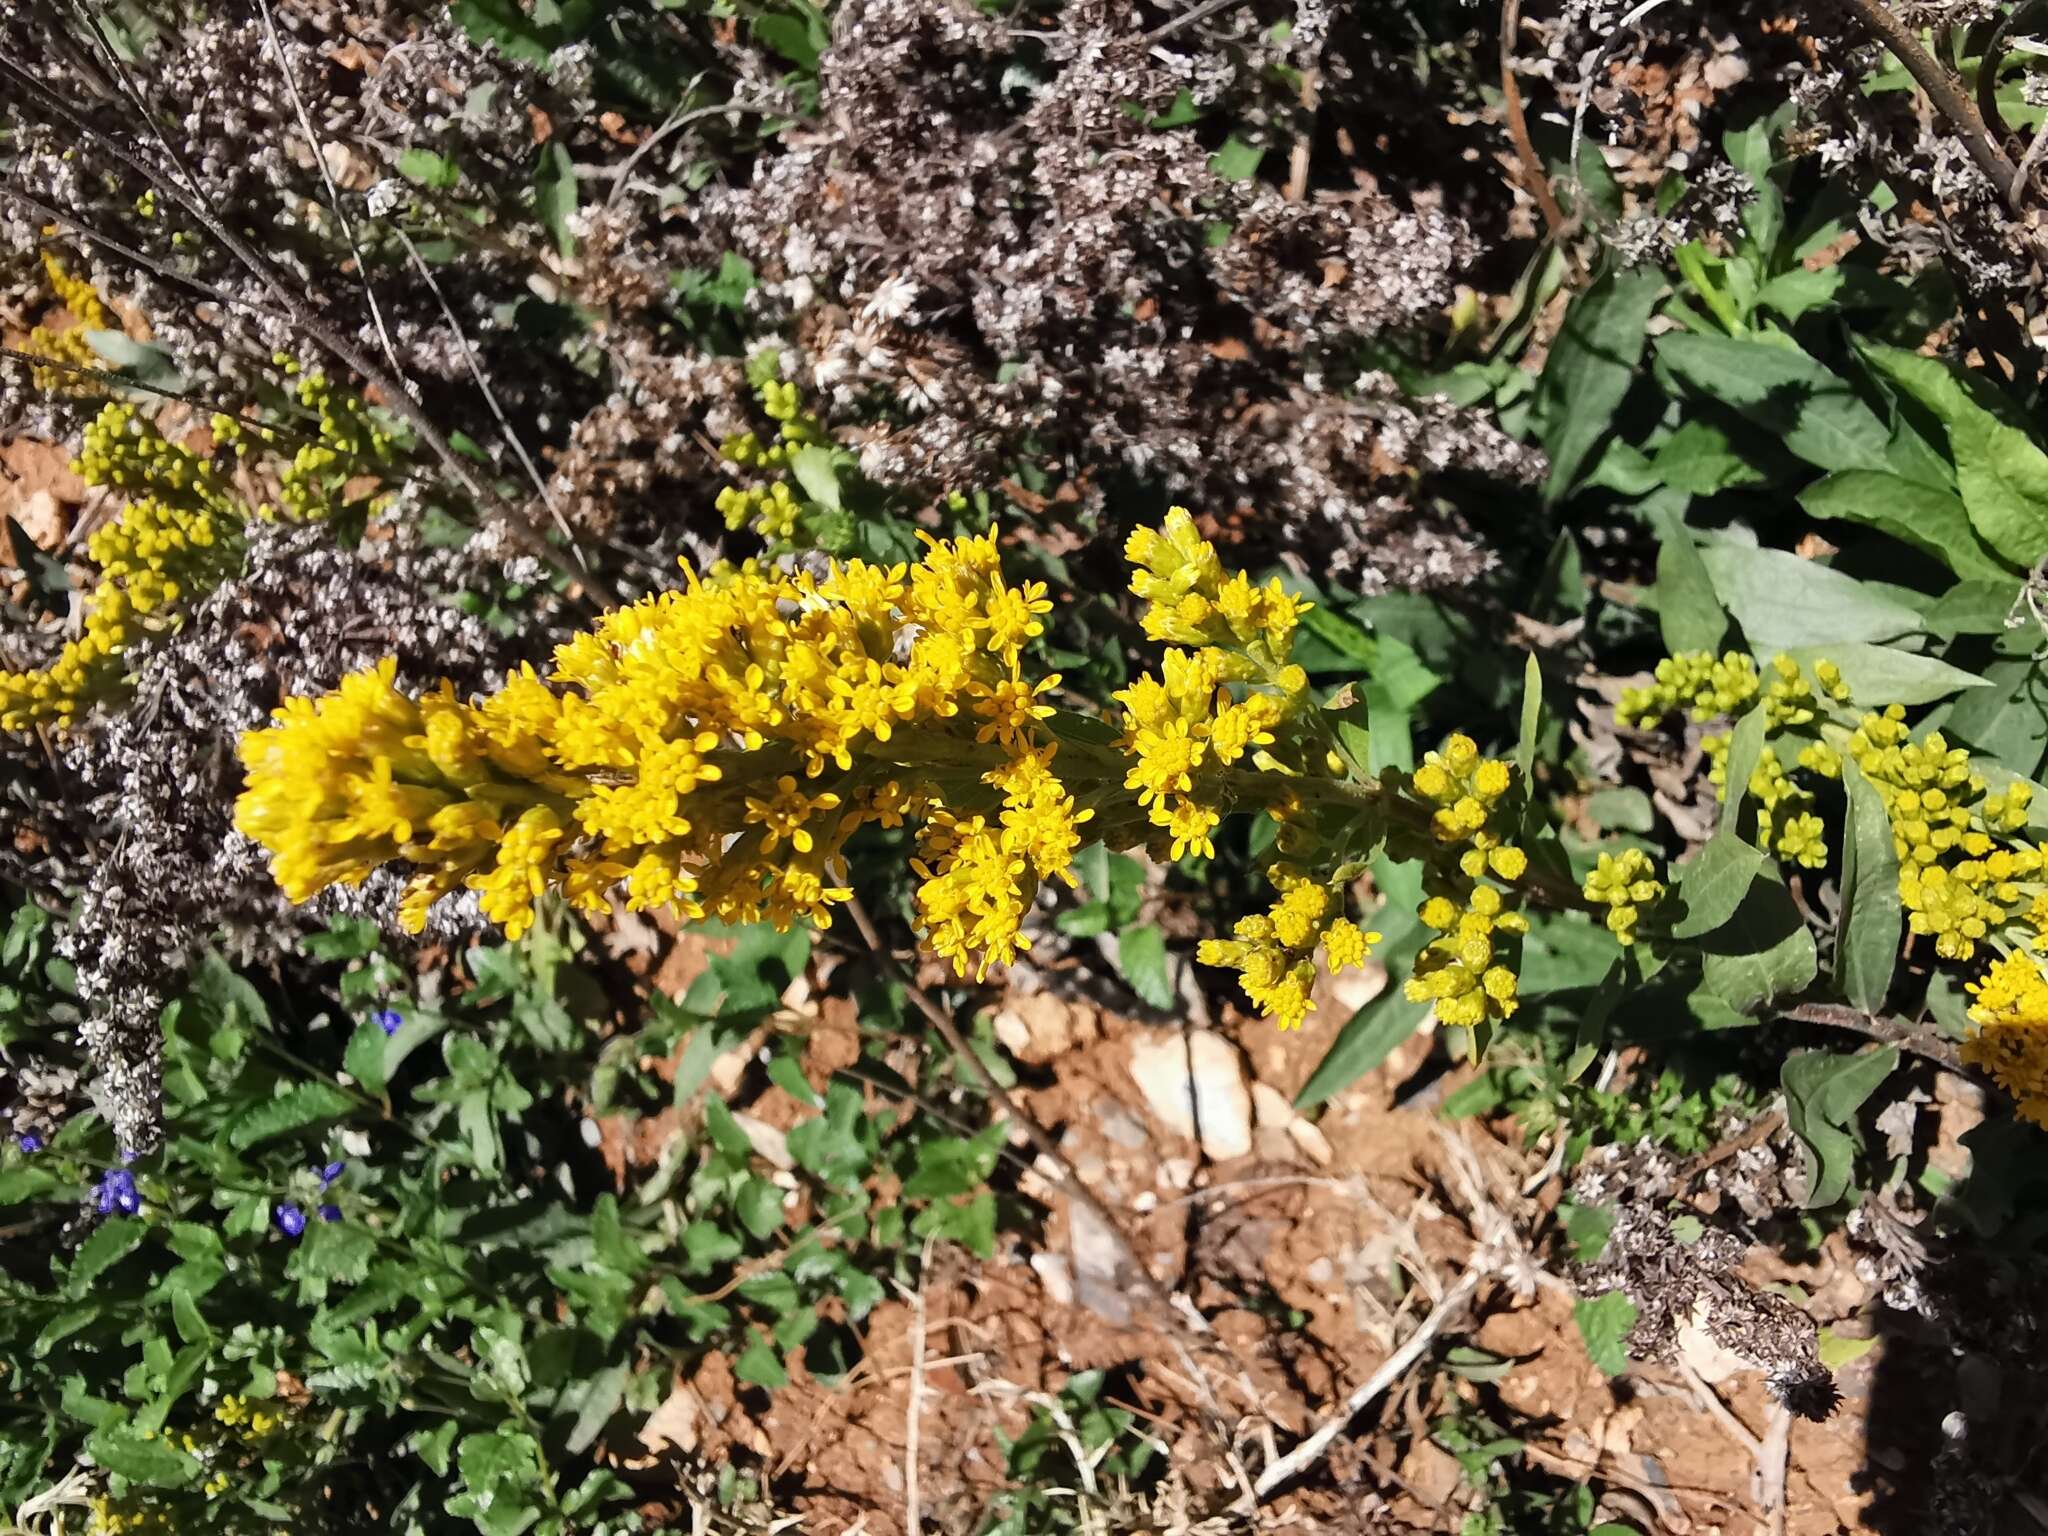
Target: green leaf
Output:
[(1700, 459), (1236, 160), (1868, 933), (154, 1462), (760, 1364), (2001, 473), (1532, 720), (1783, 602), (424, 168), (1142, 957), (2008, 719), (1587, 1228), (759, 1204), (600, 1399), (1796, 399), (1823, 1092), (1933, 521), (364, 1058), (555, 195), (295, 1109), (1882, 675), (816, 468), (1761, 953), (791, 38), (1370, 1035), (1715, 882), (1604, 1323), (1689, 615), (1590, 367), (1745, 751), (113, 1242)]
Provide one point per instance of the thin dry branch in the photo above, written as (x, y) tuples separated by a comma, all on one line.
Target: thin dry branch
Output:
[(1941, 87), (1391, 1370)]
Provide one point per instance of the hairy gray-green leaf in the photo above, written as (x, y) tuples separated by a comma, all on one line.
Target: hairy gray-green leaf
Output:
[(1868, 932), (1715, 882)]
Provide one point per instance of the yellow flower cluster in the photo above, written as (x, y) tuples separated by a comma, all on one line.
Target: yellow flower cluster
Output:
[(1468, 973), (1962, 872), (349, 443), (88, 313), (1694, 681), (2011, 1038), (1624, 884), (177, 536), (774, 508), (181, 532), (1222, 722), (1274, 951), (249, 1419), (126, 1517), (644, 761)]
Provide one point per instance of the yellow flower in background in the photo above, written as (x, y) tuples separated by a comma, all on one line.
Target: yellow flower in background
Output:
[(2011, 1038)]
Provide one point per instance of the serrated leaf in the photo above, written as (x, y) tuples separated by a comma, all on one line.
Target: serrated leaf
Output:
[(1930, 519), (1605, 1323), (760, 1364), (298, 1107), (113, 1242), (1590, 367), (759, 1204), (1792, 396), (1142, 957), (1587, 1228), (1783, 602), (1823, 1092), (1872, 922), (154, 1463)]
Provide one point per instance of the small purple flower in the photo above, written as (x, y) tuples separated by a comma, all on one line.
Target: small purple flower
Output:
[(291, 1221), (330, 1213), (29, 1143), (329, 1174), (388, 1020), (117, 1192)]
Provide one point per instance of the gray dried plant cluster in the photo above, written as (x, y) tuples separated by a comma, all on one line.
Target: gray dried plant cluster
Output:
[(989, 248), (129, 818)]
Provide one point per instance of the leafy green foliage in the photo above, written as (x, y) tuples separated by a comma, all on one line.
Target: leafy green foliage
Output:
[(459, 1275)]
